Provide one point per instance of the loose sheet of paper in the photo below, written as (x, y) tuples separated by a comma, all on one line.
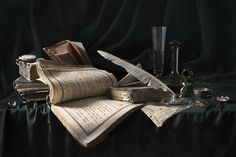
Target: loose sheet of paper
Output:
[(160, 113)]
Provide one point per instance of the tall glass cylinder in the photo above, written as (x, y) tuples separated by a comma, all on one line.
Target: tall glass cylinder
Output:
[(158, 49)]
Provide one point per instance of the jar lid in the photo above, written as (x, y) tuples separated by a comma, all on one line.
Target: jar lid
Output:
[(28, 58)]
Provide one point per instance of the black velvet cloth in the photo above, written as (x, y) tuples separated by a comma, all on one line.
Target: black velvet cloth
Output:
[(32, 130), (207, 30)]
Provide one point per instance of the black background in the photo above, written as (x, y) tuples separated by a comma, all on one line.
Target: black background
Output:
[(206, 29)]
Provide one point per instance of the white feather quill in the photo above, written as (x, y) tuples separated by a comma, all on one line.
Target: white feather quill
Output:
[(140, 74)]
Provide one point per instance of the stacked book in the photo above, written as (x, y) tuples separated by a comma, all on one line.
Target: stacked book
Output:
[(31, 90), (65, 52), (27, 84)]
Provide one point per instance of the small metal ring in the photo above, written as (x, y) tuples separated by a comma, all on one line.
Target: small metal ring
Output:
[(222, 98)]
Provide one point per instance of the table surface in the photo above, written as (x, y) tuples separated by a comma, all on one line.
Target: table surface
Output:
[(32, 130)]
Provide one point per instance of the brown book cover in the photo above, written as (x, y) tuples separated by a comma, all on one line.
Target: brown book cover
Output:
[(68, 52)]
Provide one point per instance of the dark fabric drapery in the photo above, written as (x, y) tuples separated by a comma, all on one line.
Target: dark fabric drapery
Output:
[(207, 32), (32, 130)]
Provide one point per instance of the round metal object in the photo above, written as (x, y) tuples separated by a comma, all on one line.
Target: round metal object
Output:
[(28, 58), (222, 98), (203, 92)]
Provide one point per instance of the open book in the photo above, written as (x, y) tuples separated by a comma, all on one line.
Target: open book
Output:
[(77, 99)]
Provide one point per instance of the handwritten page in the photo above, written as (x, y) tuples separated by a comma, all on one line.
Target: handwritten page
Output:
[(160, 113)]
